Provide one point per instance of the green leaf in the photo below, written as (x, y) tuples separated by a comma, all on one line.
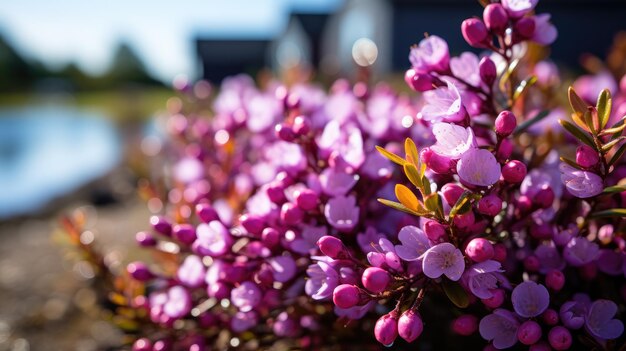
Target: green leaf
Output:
[(527, 123), (615, 212), (462, 205), (577, 133), (455, 293), (523, 86), (570, 162), (578, 105), (400, 207), (434, 204), (616, 129), (589, 120), (426, 185), (413, 175), (411, 151), (604, 107), (617, 155), (614, 189), (608, 146), (391, 156)]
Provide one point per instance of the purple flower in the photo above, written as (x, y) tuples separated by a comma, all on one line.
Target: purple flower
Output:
[(243, 321), (178, 302), (384, 255), (500, 328), (323, 279), (580, 251), (588, 87), (283, 267), (342, 212), (452, 140), (368, 239), (345, 142), (376, 166), (246, 296), (611, 262), (335, 182), (478, 167), (572, 313), (549, 258), (306, 243), (582, 184), (213, 239), (442, 259), (530, 299), (483, 277), (545, 32), (286, 156), (443, 103), (192, 272), (263, 111), (518, 8), (356, 312), (431, 54), (414, 243), (188, 169), (466, 67), (600, 322)]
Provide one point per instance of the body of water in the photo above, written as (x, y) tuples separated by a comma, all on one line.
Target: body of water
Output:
[(47, 152)]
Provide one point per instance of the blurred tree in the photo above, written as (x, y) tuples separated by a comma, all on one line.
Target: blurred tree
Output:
[(15, 71), (126, 68)]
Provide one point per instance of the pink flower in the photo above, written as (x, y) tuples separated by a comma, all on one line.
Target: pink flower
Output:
[(600, 322), (478, 167), (430, 55), (443, 103), (483, 277), (545, 32), (443, 259), (342, 212), (452, 140), (582, 184), (414, 243), (518, 8), (466, 67), (530, 299), (500, 327)]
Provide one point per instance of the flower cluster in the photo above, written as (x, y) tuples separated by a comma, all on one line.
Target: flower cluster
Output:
[(280, 215)]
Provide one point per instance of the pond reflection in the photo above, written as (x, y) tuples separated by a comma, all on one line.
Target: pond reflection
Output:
[(46, 152)]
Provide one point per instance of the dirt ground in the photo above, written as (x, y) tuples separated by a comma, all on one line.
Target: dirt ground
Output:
[(45, 302)]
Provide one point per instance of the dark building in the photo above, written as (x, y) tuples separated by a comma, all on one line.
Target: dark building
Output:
[(313, 25), (220, 58)]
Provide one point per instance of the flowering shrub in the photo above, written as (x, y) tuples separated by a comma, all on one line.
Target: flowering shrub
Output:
[(291, 208)]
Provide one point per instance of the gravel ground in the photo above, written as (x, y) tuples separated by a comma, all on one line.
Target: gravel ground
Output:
[(45, 301)]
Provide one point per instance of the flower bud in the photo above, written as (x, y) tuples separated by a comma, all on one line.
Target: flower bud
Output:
[(451, 193), (332, 247), (251, 223), (418, 81), (514, 171), (465, 325), (505, 123), (301, 125), (505, 150), (499, 252), (532, 263), (142, 344), (270, 237), (386, 329), (284, 132), (375, 279), (524, 204), (479, 250), (306, 199), (495, 17), (490, 205), (464, 220), (586, 156), (529, 332), (555, 280), (435, 231), (540, 346), (606, 234), (346, 296), (560, 338), (161, 225), (543, 231), (525, 27), (496, 300), (410, 325), (139, 271), (544, 197), (291, 214), (145, 239), (185, 233), (550, 317), (276, 192), (474, 32), (162, 345), (206, 213), (435, 162), (487, 70)]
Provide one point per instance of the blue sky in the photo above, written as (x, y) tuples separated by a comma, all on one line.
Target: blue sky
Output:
[(61, 31)]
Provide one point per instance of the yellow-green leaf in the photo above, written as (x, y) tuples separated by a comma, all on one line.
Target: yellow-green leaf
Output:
[(577, 133), (462, 205), (400, 207), (391, 156), (608, 146), (614, 189), (617, 128), (615, 212), (604, 107), (570, 162), (413, 175), (406, 197), (523, 86), (411, 151), (578, 105), (617, 155)]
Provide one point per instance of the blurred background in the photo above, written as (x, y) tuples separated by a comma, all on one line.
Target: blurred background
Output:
[(83, 83)]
